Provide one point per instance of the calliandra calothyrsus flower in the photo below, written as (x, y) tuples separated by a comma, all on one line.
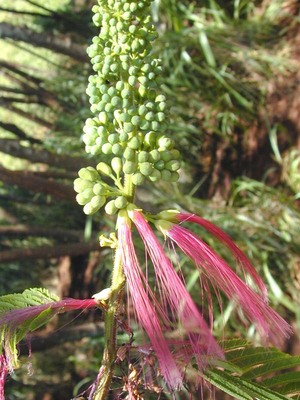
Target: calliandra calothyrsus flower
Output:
[(254, 304), (196, 340)]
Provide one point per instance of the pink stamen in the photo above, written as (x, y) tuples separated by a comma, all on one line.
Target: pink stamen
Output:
[(227, 241), (268, 322), (146, 313)]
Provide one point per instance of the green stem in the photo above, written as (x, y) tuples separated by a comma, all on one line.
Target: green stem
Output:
[(109, 354), (128, 188)]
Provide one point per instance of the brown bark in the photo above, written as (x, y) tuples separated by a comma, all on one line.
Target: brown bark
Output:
[(29, 181), (14, 148), (59, 45), (42, 252), (27, 230)]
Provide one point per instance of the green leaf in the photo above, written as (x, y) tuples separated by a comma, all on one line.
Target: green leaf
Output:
[(241, 388), (244, 374)]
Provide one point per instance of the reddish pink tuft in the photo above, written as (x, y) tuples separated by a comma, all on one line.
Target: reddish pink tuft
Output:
[(17, 317), (3, 375), (268, 322), (178, 300), (227, 241), (147, 314)]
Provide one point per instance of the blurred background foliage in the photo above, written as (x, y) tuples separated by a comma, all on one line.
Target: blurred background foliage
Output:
[(231, 74)]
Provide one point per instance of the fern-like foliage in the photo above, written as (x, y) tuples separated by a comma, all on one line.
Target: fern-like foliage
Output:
[(256, 373)]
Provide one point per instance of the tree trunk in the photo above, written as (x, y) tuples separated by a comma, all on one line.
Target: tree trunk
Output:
[(26, 230), (29, 181), (35, 155), (19, 133), (42, 252), (16, 70), (28, 115), (59, 45)]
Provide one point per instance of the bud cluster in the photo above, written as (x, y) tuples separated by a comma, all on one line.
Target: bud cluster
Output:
[(129, 121)]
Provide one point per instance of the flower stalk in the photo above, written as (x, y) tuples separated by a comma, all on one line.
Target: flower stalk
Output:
[(110, 344)]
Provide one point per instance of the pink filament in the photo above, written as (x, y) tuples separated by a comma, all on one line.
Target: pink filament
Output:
[(217, 270), (146, 312), (227, 241), (177, 298)]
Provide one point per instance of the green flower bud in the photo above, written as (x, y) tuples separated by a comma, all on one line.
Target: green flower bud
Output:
[(150, 138), (88, 173), (88, 209), (173, 165), (81, 184), (146, 168), (134, 143), (160, 165), (129, 167), (113, 138), (121, 202), (155, 155), (98, 201), (142, 91), (160, 116), (155, 126), (117, 149), (99, 189), (107, 148), (165, 143), (128, 127), (175, 154), (160, 98), (166, 175), (104, 169), (116, 164), (138, 179), (143, 156), (129, 154), (166, 155), (120, 85), (103, 118), (132, 80), (82, 199), (110, 208), (136, 120), (149, 116), (123, 137), (155, 176), (142, 110)]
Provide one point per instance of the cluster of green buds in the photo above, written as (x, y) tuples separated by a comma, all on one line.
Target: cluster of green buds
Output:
[(128, 128)]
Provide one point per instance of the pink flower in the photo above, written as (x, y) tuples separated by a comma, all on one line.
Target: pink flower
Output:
[(254, 305), (3, 374), (178, 333), (148, 311), (170, 318)]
